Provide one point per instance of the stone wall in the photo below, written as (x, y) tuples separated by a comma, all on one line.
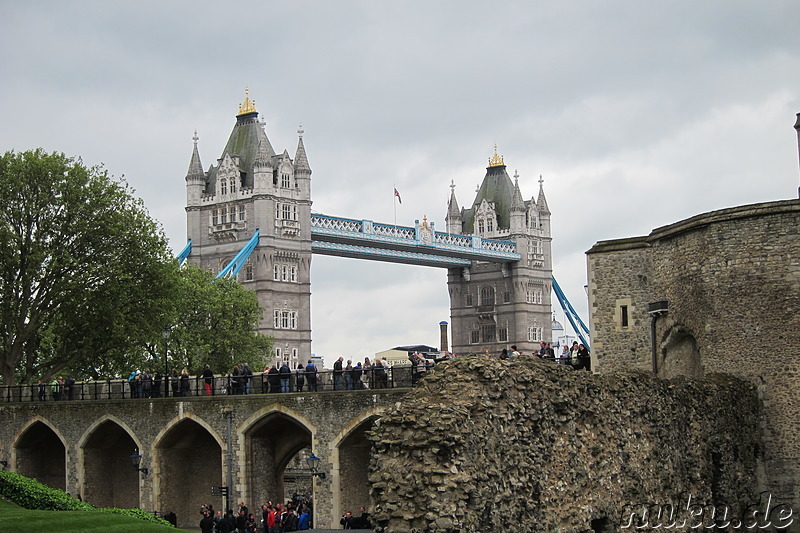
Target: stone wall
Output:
[(82, 446), (732, 280), (525, 445)]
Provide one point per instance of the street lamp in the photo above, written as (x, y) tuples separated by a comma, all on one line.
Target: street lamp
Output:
[(313, 464), (166, 333), (136, 460)]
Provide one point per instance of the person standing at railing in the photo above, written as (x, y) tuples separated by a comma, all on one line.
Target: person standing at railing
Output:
[(337, 374), (236, 380), (55, 388), (247, 377), (285, 374), (185, 382), (300, 377), (42, 390), (147, 384), (208, 380), (379, 372), (348, 375), (356, 374), (274, 379), (311, 376), (176, 383), (369, 382)]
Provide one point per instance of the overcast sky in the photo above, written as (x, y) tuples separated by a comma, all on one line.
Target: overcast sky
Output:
[(636, 114)]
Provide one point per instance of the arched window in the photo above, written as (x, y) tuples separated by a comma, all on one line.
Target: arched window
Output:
[(223, 187), (487, 296)]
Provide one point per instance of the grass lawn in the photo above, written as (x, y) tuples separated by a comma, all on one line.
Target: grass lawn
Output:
[(13, 518)]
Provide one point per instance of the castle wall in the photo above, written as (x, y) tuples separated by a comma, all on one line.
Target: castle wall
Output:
[(526, 445), (183, 443), (732, 280)]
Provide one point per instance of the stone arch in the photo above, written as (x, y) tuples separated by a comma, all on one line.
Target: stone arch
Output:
[(350, 456), (273, 438), (680, 354), (107, 477), (40, 452), (186, 463)]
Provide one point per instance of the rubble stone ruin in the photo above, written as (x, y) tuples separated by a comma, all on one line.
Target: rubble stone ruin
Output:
[(524, 445)]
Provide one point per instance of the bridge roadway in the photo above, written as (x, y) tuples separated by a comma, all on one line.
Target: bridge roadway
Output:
[(420, 245), (256, 444)]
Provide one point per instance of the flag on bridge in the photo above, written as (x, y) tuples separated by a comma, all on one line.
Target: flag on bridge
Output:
[(398, 195)]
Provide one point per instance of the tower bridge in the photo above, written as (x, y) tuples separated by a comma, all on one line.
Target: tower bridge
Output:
[(496, 250)]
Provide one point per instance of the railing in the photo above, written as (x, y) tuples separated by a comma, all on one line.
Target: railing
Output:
[(393, 377)]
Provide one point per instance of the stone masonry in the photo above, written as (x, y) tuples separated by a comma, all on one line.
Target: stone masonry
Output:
[(524, 445), (82, 446), (732, 282)]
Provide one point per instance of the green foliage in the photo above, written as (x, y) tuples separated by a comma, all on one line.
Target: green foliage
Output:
[(216, 324), (31, 494), (136, 513), (84, 270)]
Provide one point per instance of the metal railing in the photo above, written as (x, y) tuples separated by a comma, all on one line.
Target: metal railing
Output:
[(299, 381)]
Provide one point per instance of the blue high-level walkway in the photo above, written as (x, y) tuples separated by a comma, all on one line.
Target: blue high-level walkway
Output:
[(420, 245)]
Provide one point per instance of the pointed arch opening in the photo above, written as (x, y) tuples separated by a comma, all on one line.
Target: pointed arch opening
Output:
[(277, 446), (41, 454), (189, 463), (109, 480), (354, 451)]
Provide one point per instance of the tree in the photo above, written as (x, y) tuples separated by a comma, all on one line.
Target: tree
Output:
[(216, 324), (84, 271)]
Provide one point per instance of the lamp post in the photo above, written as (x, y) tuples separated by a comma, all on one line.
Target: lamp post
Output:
[(313, 464), (136, 460), (166, 334)]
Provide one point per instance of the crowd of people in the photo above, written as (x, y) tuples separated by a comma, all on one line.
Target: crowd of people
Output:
[(577, 356), (281, 378), (294, 515), (361, 376)]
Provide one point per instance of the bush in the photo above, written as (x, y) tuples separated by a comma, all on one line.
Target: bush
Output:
[(31, 494)]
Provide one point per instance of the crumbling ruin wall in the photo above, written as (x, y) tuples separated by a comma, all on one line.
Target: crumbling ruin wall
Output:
[(525, 445)]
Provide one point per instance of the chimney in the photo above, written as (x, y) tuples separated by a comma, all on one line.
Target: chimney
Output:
[(797, 127), (443, 336)]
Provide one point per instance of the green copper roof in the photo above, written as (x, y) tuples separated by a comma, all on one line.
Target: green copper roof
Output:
[(498, 188), (243, 142)]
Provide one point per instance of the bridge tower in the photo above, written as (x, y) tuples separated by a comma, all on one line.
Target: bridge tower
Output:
[(252, 187), (496, 305)]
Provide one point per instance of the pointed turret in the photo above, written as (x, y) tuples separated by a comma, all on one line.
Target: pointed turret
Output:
[(195, 177), (453, 217), (541, 202), (302, 170), (300, 158), (517, 203), (195, 166), (517, 208)]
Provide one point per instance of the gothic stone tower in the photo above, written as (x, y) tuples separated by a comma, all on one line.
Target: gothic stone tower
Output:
[(251, 187), (493, 305)]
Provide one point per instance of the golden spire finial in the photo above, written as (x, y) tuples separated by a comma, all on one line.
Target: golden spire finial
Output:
[(248, 106), (496, 160)]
